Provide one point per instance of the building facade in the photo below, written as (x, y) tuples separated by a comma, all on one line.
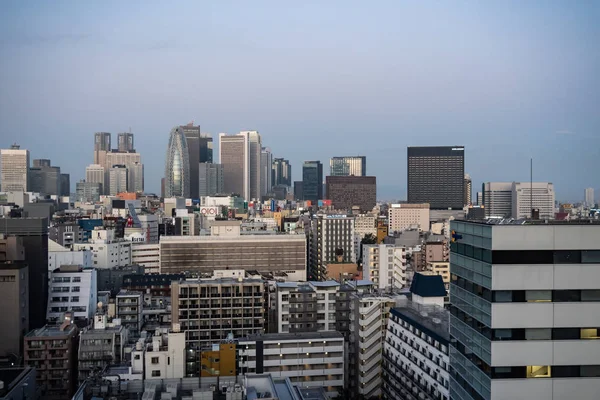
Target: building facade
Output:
[(192, 136), (348, 166), (146, 255), (588, 197), (542, 199), (405, 216), (234, 156), (125, 142), (329, 234), (72, 289), (14, 169), (14, 283), (524, 310), (281, 172), (385, 265), (177, 168), (101, 147), (210, 179), (312, 181), (346, 192), (468, 190), (255, 146), (117, 180), (436, 176), (88, 192), (95, 173)]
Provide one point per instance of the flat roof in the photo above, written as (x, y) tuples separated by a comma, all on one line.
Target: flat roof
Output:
[(11, 378), (51, 331), (277, 237), (434, 320), (293, 336), (522, 221)]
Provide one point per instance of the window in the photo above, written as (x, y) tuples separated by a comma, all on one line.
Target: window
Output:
[(538, 371), (75, 298), (590, 256), (155, 373), (536, 296), (590, 371), (590, 333), (76, 279), (567, 257), (566, 333), (154, 361), (137, 357), (590, 295), (502, 296), (566, 295), (538, 334)]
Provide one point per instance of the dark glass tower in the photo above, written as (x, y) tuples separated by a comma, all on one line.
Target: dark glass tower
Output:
[(199, 151), (312, 180), (436, 176)]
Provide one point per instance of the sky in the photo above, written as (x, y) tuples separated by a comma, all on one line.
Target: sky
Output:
[(509, 80)]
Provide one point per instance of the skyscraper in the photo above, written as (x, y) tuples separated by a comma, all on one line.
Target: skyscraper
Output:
[(177, 168), (497, 199), (589, 197), (234, 156), (436, 176), (312, 180), (95, 173), (211, 179), (14, 169), (117, 179), (101, 146), (282, 172), (65, 184), (346, 192), (266, 167), (125, 142), (135, 178), (192, 136), (254, 151), (129, 159), (542, 199), (44, 178), (206, 148), (468, 190), (347, 166)]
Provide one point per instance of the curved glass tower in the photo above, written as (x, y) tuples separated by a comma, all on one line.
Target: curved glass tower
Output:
[(177, 168)]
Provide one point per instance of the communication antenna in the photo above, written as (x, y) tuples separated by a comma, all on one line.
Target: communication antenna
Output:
[(531, 186)]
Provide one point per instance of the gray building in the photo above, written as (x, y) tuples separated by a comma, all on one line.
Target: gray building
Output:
[(41, 209), (299, 190), (117, 178), (436, 175), (177, 167), (101, 147), (234, 156), (111, 279), (266, 171), (45, 180), (88, 192), (210, 177), (348, 166), (14, 169), (282, 172), (65, 184), (125, 142), (346, 192), (14, 283), (330, 234), (34, 234), (66, 234), (192, 136), (312, 180), (19, 383)]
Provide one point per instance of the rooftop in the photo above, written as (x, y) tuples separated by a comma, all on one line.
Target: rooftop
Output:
[(432, 319), (428, 286), (51, 331), (11, 378), (512, 221), (219, 281), (293, 336)]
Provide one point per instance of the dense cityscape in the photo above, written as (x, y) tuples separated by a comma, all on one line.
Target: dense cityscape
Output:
[(237, 282)]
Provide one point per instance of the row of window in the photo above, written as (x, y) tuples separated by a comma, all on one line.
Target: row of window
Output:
[(546, 371), (527, 256), (64, 299)]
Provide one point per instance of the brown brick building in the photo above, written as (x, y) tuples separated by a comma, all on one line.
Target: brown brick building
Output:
[(348, 191)]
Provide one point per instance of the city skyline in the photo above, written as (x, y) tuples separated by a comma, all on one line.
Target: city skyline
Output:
[(477, 75)]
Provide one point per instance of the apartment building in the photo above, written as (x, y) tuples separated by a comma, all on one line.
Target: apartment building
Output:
[(129, 308), (405, 216), (431, 251), (74, 289), (160, 357), (385, 265), (314, 306), (108, 251), (52, 351), (14, 319), (364, 224), (309, 359), (101, 345), (369, 313), (329, 234), (525, 306), (146, 255), (211, 309)]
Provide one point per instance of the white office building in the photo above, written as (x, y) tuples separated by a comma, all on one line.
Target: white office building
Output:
[(107, 251), (312, 359), (72, 288), (589, 200), (405, 216), (14, 169), (525, 305), (95, 173), (117, 179), (385, 265), (523, 201), (59, 255)]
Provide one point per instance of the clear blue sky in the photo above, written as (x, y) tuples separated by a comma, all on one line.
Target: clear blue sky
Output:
[(509, 80)]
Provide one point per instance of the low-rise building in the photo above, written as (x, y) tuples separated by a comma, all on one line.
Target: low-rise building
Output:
[(129, 309), (163, 357), (108, 251), (72, 289), (59, 255), (405, 216), (146, 255)]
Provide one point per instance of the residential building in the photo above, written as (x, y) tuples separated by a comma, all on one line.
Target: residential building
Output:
[(431, 251), (385, 266), (177, 167), (588, 197), (406, 216), (234, 156), (14, 169), (436, 176), (107, 250), (330, 235), (157, 285), (348, 166), (345, 192), (117, 179), (102, 345), (228, 248), (266, 174), (72, 289), (211, 180), (312, 359), (468, 190), (523, 202), (369, 313), (14, 284), (281, 172), (52, 350), (524, 310), (125, 142), (65, 234), (19, 383), (34, 236), (208, 310), (101, 147), (146, 255), (163, 357), (415, 353), (129, 307), (312, 181)]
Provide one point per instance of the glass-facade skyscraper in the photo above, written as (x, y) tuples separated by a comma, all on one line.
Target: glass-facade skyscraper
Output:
[(348, 166), (177, 167), (312, 180)]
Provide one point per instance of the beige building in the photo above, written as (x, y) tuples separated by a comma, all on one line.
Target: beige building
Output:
[(208, 310), (234, 156), (14, 276), (439, 268), (14, 170), (404, 216)]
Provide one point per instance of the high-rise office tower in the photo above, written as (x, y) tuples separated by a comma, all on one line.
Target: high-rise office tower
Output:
[(235, 158), (88, 192), (436, 176), (254, 151), (14, 169), (177, 168), (497, 199), (135, 178), (524, 310), (589, 197), (206, 148), (192, 136), (312, 180), (41, 162), (131, 160), (479, 198), (117, 180), (65, 184), (468, 190), (542, 199), (101, 147), (44, 178), (125, 143), (211, 179), (282, 172), (94, 173), (299, 190), (266, 175), (347, 166), (346, 192)]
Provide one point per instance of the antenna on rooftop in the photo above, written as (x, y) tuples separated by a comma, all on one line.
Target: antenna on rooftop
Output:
[(531, 187)]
